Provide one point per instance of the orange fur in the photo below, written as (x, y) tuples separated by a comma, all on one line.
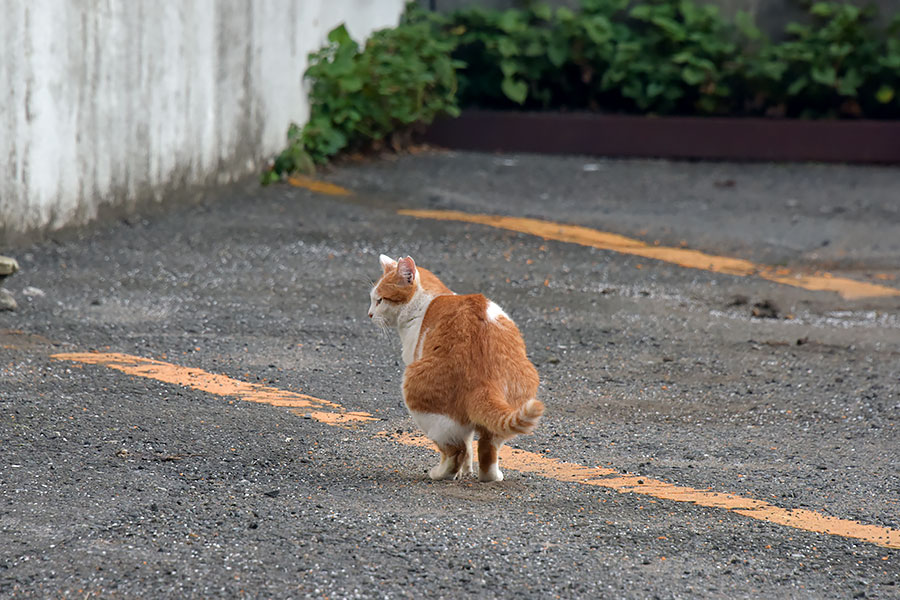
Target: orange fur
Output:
[(469, 366)]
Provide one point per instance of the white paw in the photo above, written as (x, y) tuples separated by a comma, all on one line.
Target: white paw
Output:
[(493, 473), (439, 472), (464, 471)]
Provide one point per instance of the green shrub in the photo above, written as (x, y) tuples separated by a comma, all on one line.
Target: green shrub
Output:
[(401, 78), (660, 56), (675, 57), (829, 67), (651, 56), (882, 96)]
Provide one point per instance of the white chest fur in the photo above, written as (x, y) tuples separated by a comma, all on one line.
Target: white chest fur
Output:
[(409, 339), (409, 324)]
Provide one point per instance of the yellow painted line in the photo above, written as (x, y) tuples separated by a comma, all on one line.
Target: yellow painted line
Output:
[(693, 259), (807, 520), (316, 185), (219, 385), (331, 413)]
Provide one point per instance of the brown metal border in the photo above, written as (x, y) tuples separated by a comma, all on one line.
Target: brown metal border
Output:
[(708, 138)]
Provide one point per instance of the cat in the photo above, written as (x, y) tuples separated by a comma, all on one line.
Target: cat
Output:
[(466, 367)]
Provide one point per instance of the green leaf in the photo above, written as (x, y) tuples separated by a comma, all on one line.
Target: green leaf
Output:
[(509, 68), (598, 30), (353, 83), (564, 14), (797, 86), (507, 47), (850, 82), (510, 21), (824, 75), (670, 26), (516, 91), (558, 52), (642, 11), (339, 35), (268, 177), (822, 9), (885, 94), (693, 76), (543, 11)]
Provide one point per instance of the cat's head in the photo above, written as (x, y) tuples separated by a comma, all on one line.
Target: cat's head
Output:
[(398, 284)]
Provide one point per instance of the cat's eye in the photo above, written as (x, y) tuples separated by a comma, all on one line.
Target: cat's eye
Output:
[(378, 301)]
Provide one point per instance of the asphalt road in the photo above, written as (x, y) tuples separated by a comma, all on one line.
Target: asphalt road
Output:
[(708, 435)]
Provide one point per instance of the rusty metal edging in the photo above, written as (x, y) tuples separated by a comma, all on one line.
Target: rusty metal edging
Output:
[(709, 138)]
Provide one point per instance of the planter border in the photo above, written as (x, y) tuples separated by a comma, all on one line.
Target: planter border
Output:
[(698, 138)]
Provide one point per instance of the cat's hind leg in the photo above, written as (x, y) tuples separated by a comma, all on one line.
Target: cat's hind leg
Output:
[(444, 469), (456, 461), (488, 465), (452, 439)]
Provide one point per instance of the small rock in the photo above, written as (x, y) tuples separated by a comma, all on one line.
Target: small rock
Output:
[(33, 292), (8, 266), (553, 360), (7, 302), (765, 310), (738, 300)]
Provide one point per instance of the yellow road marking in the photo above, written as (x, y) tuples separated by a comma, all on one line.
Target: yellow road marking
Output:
[(315, 185), (694, 259), (519, 460), (807, 520), (219, 385)]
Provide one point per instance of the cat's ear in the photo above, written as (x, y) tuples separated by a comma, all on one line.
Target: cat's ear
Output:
[(407, 269), (387, 263)]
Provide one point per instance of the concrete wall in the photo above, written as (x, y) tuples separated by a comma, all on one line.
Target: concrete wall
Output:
[(107, 103)]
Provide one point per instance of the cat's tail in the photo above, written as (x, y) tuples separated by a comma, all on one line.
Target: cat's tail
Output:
[(490, 410)]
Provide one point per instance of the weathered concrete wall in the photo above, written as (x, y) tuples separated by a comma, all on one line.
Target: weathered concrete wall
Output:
[(106, 103)]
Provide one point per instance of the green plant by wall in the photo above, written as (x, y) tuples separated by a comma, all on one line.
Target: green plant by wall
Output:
[(887, 84), (663, 56), (836, 65), (626, 56), (363, 97), (676, 57)]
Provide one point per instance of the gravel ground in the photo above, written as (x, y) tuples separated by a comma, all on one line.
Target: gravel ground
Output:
[(121, 486)]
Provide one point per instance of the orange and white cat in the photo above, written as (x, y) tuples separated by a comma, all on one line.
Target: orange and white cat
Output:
[(466, 367)]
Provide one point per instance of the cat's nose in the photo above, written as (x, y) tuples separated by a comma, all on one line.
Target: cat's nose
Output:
[(370, 315)]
